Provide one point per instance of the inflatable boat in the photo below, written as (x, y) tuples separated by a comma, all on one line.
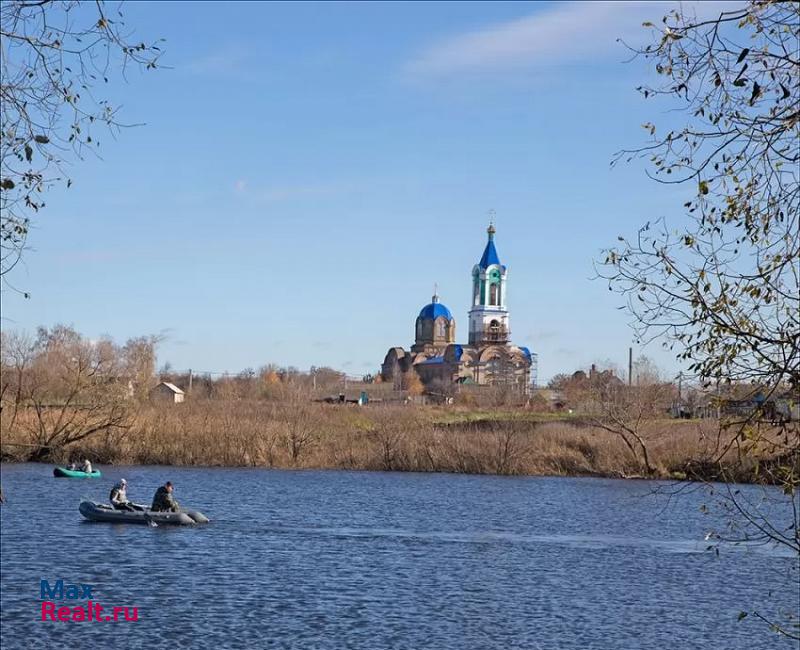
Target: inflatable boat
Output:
[(101, 512), (63, 472)]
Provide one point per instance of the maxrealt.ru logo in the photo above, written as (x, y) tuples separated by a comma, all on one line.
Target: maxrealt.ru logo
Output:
[(90, 611)]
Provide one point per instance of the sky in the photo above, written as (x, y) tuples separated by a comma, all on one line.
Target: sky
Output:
[(305, 173)]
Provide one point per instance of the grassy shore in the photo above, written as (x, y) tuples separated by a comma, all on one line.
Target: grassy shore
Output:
[(257, 433)]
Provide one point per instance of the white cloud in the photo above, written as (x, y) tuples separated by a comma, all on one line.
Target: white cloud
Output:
[(565, 33)]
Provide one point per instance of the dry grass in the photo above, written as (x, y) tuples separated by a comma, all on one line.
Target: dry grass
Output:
[(400, 438)]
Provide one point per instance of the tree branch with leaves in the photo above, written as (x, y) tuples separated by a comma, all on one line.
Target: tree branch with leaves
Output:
[(722, 289), (56, 56)]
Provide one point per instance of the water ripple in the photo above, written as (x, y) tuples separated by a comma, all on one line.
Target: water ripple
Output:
[(386, 561)]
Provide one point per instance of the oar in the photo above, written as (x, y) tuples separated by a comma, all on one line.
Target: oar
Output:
[(149, 520), (143, 509)]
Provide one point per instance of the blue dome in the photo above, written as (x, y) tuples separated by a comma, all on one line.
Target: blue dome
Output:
[(434, 310)]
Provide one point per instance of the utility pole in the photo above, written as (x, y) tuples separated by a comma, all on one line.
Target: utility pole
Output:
[(630, 366), (190, 380)]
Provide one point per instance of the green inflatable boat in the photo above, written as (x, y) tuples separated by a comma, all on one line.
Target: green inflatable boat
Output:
[(63, 472)]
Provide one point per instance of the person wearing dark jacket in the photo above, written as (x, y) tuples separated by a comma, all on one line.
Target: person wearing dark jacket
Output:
[(163, 501)]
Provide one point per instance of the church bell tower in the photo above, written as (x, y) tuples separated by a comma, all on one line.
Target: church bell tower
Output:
[(488, 317)]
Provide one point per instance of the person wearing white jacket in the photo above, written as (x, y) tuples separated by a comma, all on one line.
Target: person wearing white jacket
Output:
[(119, 496)]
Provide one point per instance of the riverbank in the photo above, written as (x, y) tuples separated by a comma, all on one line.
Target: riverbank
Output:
[(256, 433)]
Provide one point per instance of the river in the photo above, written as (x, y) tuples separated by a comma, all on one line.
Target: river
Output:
[(359, 560)]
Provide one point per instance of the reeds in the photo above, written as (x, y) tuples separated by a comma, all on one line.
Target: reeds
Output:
[(302, 434)]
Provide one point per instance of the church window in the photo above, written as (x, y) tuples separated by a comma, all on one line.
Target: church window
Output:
[(494, 294), (440, 328)]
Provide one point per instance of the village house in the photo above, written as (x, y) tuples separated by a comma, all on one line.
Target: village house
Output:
[(167, 392)]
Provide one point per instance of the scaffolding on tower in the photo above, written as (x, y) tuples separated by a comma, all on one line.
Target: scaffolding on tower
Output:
[(534, 371)]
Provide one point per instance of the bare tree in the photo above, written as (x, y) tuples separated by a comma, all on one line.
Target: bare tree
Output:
[(645, 371), (56, 55), (512, 444), (326, 380), (723, 290), (390, 433), (16, 356), (625, 411), (299, 415), (139, 358), (74, 390)]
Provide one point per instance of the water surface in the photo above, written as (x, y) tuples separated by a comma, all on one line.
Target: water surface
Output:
[(386, 561)]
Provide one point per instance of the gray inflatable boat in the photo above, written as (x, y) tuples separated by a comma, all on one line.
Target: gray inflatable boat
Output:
[(101, 512)]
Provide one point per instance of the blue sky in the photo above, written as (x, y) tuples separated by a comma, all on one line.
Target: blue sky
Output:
[(306, 173)]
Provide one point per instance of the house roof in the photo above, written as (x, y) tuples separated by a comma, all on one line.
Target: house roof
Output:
[(431, 361), (172, 387)]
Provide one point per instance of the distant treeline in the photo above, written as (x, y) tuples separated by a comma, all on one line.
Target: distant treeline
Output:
[(65, 396)]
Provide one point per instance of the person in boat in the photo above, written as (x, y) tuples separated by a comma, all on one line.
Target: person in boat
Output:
[(163, 501), (119, 496), (87, 466), (73, 466)]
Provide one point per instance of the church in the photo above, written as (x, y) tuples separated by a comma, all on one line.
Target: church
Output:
[(488, 359)]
